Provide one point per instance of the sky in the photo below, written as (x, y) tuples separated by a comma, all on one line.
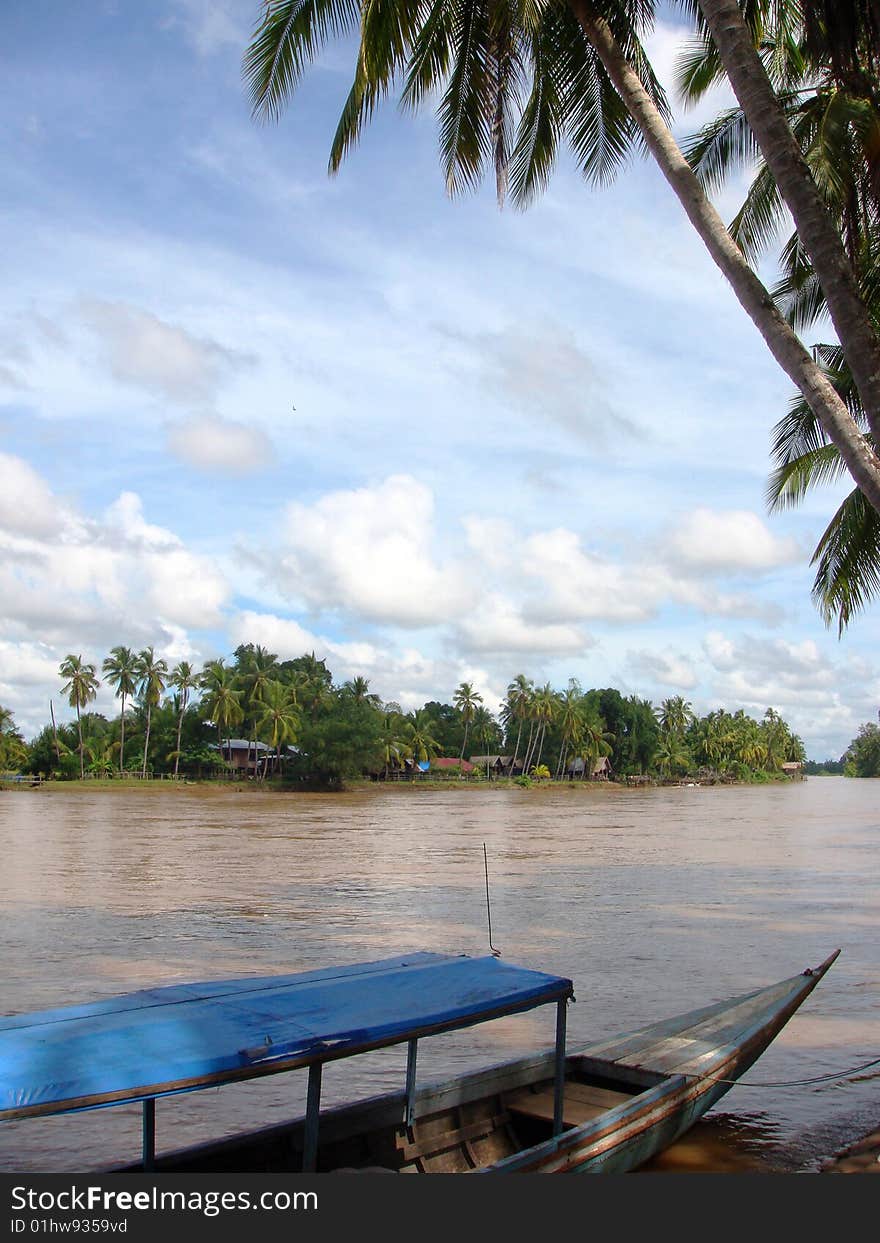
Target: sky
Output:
[(430, 440)]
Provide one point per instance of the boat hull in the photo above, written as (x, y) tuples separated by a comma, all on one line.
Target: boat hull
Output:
[(626, 1100)]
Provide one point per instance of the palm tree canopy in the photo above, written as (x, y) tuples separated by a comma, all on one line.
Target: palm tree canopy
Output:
[(511, 81)]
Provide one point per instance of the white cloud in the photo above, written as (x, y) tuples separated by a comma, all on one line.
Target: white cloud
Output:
[(497, 626), (731, 541), (151, 354), (27, 506), (576, 585), (211, 443), (369, 552), (80, 582)]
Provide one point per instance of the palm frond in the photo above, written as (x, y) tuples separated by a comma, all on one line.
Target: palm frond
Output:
[(286, 40), (847, 558)]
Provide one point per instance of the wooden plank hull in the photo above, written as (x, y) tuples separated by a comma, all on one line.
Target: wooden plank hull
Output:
[(627, 1099)]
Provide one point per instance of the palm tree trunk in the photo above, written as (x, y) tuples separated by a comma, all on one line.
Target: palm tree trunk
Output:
[(79, 730), (146, 744), (861, 461), (177, 748), (516, 748), (815, 228), (122, 738)]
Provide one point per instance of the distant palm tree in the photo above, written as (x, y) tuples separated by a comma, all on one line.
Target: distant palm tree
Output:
[(150, 672), (516, 708), (120, 670), (278, 716), (675, 715), (421, 742), (222, 701), (358, 690), (81, 688), (184, 679), (466, 700)]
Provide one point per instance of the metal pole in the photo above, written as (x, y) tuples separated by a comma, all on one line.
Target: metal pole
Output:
[(149, 1135), (313, 1111), (411, 1052), (559, 1084)]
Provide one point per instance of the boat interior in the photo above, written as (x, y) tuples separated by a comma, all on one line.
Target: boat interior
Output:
[(457, 1128)]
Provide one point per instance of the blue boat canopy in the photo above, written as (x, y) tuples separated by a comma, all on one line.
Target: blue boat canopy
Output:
[(184, 1037)]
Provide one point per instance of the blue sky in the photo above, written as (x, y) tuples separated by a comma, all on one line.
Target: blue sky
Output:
[(434, 442)]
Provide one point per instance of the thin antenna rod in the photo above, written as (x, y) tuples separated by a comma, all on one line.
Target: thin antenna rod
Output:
[(495, 953)]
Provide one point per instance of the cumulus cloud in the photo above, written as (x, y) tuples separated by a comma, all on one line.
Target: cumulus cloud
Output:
[(27, 506), (496, 625), (729, 541), (68, 578), (576, 584), (151, 354), (211, 443), (369, 552)]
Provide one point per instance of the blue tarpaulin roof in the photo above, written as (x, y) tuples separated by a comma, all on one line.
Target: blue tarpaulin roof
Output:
[(183, 1037)]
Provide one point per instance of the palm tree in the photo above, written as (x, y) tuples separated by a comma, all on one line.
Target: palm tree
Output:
[(466, 700), (675, 715), (279, 716), (150, 672), (571, 722), (184, 679), (81, 688), (222, 701), (119, 669), (420, 741), (833, 113), (576, 71), (516, 708), (544, 709), (358, 690)]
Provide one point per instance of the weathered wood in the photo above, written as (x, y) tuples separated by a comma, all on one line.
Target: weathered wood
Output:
[(581, 1104)]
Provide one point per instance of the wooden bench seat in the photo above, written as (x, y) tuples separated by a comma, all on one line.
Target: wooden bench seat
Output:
[(582, 1102)]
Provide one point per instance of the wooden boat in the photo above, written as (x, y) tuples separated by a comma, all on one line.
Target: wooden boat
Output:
[(604, 1108)]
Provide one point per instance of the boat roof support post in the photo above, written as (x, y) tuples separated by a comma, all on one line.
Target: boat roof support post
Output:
[(148, 1146), (559, 1082), (313, 1113), (411, 1054)]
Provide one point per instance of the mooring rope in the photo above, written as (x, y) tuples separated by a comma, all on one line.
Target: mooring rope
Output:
[(840, 1076)]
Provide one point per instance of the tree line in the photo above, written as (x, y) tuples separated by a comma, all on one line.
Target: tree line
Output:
[(178, 722)]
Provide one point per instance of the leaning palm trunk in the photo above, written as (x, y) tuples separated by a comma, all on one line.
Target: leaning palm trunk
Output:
[(79, 730), (815, 227), (146, 745), (122, 739), (862, 463)]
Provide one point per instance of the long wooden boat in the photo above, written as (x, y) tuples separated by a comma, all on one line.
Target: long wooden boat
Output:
[(604, 1108)]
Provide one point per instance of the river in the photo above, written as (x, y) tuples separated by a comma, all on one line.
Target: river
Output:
[(654, 901)]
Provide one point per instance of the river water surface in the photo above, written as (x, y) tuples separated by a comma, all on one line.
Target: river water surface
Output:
[(653, 901)]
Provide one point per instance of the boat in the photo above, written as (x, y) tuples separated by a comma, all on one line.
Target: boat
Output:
[(607, 1107)]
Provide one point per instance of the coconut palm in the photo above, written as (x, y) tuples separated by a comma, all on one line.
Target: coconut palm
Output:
[(515, 708), (544, 709), (278, 717), (675, 715), (222, 702), (419, 739), (514, 81), (571, 722), (358, 690), (832, 110), (81, 687), (466, 700), (150, 673), (184, 679), (119, 669)]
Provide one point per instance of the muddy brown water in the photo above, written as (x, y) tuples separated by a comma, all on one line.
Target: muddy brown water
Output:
[(654, 902)]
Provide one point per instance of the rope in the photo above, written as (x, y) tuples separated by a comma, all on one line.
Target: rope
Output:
[(836, 1077)]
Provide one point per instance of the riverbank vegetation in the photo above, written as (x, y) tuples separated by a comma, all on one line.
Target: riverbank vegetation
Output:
[(255, 716)]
